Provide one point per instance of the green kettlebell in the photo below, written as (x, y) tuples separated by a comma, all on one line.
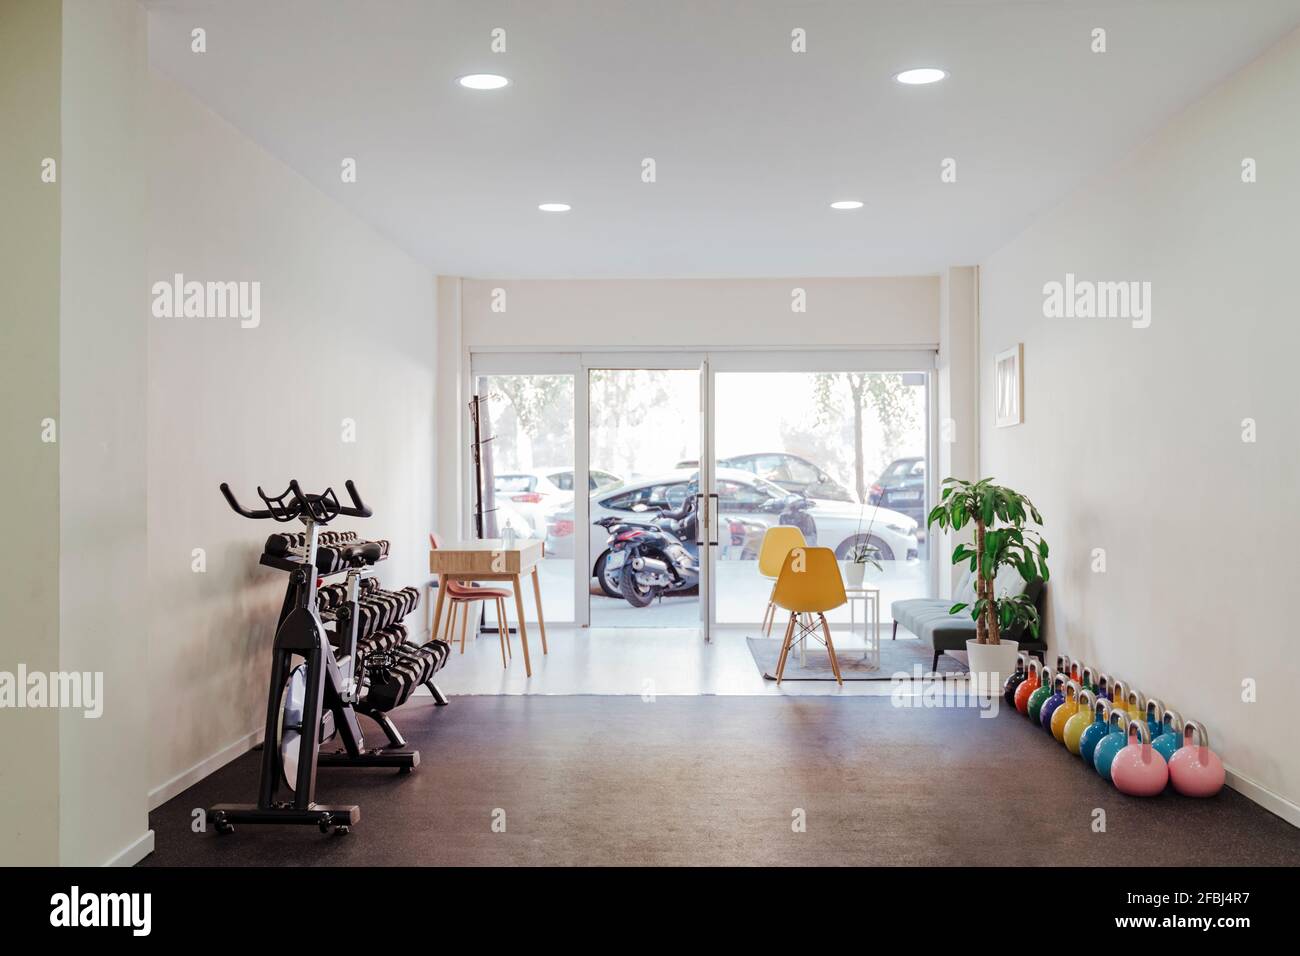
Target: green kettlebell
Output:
[(1089, 681), (1039, 697)]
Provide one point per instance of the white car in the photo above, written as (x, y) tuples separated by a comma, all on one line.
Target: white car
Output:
[(534, 494), (746, 501)]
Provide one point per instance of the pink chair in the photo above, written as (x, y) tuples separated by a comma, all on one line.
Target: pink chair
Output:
[(460, 596)]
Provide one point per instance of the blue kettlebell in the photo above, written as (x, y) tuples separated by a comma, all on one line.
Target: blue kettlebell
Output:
[(1096, 730), (1103, 686), (1170, 737), (1053, 702), (1108, 747), (1155, 710)]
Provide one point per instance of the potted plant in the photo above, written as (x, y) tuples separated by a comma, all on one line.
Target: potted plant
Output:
[(1002, 538), (856, 561)]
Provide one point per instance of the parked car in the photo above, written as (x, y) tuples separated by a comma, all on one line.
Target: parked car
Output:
[(901, 487), (747, 504), (536, 493), (506, 513), (794, 474)]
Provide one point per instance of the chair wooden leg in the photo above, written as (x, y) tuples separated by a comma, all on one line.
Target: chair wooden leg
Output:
[(830, 649), (769, 617), (464, 623), (501, 632), (505, 627), (785, 650)]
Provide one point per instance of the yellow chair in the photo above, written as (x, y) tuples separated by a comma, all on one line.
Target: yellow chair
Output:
[(810, 583), (778, 541)]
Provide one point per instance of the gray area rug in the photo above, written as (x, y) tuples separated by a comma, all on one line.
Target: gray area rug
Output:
[(908, 656)]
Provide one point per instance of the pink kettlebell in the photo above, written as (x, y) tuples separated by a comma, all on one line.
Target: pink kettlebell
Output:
[(1139, 770), (1196, 771)]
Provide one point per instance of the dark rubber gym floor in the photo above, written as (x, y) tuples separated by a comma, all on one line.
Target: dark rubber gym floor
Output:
[(714, 780)]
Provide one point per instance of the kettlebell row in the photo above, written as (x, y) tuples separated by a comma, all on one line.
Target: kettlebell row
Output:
[(1133, 742)]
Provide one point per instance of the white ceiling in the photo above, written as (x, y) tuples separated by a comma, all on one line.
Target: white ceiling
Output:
[(751, 140)]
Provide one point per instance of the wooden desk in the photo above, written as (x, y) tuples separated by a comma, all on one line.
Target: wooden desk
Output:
[(488, 560)]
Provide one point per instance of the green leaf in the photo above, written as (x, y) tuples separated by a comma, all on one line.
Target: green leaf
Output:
[(956, 607)]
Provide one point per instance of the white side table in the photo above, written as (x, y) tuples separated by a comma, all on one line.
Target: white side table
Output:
[(870, 598)]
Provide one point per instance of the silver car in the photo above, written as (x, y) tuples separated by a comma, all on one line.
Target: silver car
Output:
[(747, 503)]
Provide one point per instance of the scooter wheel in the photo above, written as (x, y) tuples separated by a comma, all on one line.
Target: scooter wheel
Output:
[(633, 595), (610, 587)]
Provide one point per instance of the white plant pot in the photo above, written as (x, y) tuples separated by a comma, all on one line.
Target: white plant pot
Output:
[(991, 664), (854, 574)]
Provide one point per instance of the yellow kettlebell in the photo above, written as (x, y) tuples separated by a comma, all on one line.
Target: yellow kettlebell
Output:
[(1069, 707), (1079, 720), (1119, 696), (1136, 704)]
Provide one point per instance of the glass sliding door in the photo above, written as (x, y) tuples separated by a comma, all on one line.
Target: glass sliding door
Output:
[(843, 455), (644, 454), (529, 474), (838, 443)]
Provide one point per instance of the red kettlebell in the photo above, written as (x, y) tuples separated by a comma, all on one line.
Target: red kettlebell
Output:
[(1031, 683), (1138, 769), (1196, 771)]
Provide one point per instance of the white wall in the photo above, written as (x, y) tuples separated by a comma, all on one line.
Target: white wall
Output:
[(600, 314), (1132, 439), (957, 380), (693, 313), (103, 364), (347, 331), (30, 65)]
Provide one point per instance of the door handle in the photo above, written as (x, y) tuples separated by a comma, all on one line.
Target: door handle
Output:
[(705, 520)]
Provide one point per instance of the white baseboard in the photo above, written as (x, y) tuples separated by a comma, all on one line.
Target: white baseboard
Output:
[(134, 853), (188, 778), (1266, 798)]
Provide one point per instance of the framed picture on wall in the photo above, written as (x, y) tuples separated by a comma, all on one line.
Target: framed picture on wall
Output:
[(1009, 386)]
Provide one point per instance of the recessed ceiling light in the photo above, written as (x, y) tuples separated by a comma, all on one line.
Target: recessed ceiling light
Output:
[(555, 207), (483, 81), (921, 76), (846, 204)]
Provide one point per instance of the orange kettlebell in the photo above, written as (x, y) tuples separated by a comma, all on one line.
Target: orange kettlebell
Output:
[(1030, 684)]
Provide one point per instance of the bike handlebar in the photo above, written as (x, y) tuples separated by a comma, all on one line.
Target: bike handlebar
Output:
[(294, 503), (238, 508)]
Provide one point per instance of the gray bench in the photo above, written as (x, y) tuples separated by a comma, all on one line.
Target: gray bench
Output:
[(928, 618)]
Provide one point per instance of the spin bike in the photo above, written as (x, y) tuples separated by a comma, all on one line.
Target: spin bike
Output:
[(320, 698)]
